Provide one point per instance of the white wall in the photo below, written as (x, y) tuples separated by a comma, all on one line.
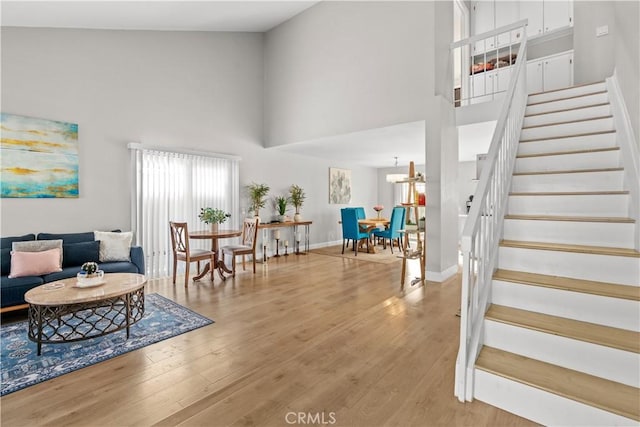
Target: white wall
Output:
[(342, 67), (190, 90), (467, 184), (594, 57), (442, 153), (627, 53), (597, 57)]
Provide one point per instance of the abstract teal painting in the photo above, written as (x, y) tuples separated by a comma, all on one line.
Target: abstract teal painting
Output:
[(39, 157)]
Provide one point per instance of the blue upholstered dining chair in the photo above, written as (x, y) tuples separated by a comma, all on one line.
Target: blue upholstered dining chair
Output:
[(395, 225), (351, 229)]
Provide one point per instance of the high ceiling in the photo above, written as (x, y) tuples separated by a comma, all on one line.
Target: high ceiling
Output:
[(405, 141)]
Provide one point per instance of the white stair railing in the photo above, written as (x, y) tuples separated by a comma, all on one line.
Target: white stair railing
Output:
[(483, 64), (483, 228)]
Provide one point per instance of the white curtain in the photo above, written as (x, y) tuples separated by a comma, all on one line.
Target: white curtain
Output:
[(173, 186)]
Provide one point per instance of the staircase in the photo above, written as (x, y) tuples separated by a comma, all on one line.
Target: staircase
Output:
[(561, 340)]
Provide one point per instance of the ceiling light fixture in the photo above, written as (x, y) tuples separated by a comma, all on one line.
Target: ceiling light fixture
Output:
[(395, 177)]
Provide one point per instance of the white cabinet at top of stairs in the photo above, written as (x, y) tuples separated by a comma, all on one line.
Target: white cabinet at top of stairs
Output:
[(485, 85), (544, 16), (483, 20), (487, 15), (550, 72), (507, 12)]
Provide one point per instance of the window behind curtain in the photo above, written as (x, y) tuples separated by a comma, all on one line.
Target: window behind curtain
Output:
[(401, 192), (172, 186)]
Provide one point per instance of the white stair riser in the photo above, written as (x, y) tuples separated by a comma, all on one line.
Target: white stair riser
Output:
[(586, 205), (539, 405), (600, 268), (615, 312), (568, 115), (594, 160), (608, 234), (567, 93), (604, 362), (573, 128), (587, 142), (583, 101), (581, 181)]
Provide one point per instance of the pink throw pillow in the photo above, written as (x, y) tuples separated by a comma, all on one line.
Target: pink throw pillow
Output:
[(34, 263)]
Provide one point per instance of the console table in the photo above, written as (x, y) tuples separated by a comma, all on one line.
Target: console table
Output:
[(265, 227)]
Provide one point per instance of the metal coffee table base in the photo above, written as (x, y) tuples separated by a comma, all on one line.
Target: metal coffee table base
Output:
[(49, 324)]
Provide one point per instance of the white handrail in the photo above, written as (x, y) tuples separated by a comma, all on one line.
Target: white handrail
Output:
[(495, 32), (483, 228)]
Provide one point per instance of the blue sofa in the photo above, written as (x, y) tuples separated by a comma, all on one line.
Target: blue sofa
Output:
[(77, 248)]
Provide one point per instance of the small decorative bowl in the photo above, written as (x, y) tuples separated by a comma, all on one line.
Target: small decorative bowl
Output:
[(93, 279)]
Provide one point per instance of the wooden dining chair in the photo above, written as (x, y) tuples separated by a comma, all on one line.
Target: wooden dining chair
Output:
[(182, 252), (246, 247)]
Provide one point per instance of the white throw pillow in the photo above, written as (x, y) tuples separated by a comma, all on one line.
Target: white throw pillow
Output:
[(114, 246), (37, 246)]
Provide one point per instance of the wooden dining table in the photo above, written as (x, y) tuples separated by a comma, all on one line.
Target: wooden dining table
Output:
[(214, 236), (367, 225)]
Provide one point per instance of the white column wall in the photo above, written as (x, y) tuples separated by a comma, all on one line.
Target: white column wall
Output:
[(442, 156)]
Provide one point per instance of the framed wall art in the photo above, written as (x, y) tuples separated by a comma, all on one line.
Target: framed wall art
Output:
[(39, 157), (339, 186)]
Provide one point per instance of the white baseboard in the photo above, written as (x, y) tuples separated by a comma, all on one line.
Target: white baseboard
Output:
[(434, 276), (325, 244)]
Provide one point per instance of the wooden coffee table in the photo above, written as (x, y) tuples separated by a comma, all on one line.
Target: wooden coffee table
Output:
[(62, 312)]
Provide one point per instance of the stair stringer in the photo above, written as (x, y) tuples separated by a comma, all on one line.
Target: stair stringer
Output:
[(627, 142)]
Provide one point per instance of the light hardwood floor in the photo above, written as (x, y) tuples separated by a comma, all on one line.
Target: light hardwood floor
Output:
[(313, 334)]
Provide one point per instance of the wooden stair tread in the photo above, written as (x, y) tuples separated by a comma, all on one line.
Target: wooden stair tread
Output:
[(608, 336), (563, 247), (612, 290), (567, 122), (574, 135), (568, 87), (568, 171), (567, 109), (607, 395), (569, 193), (562, 99), (572, 218), (562, 153)]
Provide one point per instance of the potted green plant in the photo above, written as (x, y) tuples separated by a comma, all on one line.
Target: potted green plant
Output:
[(213, 216), (281, 203), (297, 197), (89, 268), (257, 195), (90, 275)]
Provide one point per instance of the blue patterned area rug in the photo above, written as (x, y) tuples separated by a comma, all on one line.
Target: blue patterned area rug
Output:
[(20, 366)]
